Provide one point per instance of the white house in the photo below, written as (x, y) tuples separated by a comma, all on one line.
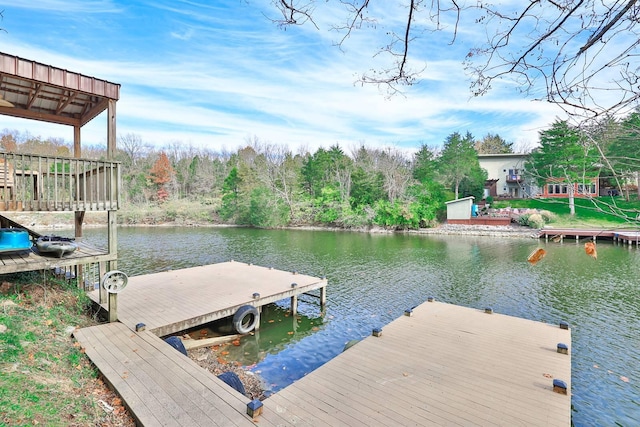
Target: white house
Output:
[(506, 175)]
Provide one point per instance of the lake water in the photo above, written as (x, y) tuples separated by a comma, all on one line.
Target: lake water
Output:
[(373, 278)]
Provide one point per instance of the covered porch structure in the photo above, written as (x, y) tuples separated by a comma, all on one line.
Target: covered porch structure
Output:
[(31, 182)]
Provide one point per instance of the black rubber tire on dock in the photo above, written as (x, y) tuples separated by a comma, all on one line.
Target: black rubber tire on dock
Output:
[(246, 319), (232, 379), (176, 343)]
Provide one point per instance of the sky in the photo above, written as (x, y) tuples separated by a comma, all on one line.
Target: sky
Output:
[(216, 74)]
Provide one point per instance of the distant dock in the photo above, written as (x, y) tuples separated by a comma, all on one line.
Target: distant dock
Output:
[(628, 237), (439, 364)]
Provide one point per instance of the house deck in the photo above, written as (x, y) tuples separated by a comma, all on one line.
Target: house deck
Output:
[(32, 260)]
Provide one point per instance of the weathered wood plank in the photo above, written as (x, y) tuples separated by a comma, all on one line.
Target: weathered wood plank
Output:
[(445, 365), (159, 385), (173, 301)]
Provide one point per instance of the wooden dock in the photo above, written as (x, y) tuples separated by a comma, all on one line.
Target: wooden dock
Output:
[(159, 385), (629, 237), (443, 365), (174, 301)]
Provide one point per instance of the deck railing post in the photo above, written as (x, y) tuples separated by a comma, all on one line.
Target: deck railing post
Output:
[(113, 307)]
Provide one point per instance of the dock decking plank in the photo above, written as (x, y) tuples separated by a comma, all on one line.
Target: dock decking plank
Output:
[(173, 301), (154, 384), (180, 394), (446, 365)]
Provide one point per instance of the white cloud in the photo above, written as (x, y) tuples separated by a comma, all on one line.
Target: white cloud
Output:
[(211, 76)]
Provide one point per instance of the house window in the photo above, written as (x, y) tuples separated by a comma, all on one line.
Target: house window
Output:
[(557, 189), (586, 188)]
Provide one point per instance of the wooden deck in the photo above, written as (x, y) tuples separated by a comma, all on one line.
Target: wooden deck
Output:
[(159, 385), (445, 365), (174, 301), (32, 260)]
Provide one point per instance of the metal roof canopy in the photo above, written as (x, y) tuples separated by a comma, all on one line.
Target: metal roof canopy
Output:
[(46, 93)]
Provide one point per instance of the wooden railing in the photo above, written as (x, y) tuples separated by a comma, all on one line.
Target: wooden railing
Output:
[(46, 183)]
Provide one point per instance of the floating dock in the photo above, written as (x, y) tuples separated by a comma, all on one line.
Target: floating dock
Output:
[(439, 364), (443, 365), (177, 300)]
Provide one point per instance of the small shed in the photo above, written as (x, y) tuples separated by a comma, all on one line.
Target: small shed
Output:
[(459, 209)]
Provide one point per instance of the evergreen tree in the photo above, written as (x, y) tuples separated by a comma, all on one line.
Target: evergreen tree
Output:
[(623, 153), (564, 155), (458, 163)]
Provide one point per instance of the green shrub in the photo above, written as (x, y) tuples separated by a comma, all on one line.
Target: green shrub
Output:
[(536, 220)]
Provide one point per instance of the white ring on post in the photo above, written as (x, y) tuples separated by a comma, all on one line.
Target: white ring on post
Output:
[(114, 281)]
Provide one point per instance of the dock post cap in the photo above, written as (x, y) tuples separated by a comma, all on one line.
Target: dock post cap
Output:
[(430, 299), (488, 310), (256, 295), (377, 332), (564, 325), (294, 272), (324, 278), (254, 408), (294, 285), (408, 312), (562, 348), (559, 386), (140, 327)]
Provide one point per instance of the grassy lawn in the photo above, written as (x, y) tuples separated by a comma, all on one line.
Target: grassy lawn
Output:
[(46, 378), (603, 212)]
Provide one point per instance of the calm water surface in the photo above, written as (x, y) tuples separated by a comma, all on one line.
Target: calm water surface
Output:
[(374, 278)]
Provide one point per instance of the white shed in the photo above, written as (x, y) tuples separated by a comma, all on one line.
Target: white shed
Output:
[(459, 209)]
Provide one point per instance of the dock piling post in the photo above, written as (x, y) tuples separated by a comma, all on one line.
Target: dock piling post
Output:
[(559, 386), (294, 305), (323, 297), (113, 307), (254, 408)]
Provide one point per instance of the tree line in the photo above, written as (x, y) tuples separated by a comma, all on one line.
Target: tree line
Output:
[(264, 184)]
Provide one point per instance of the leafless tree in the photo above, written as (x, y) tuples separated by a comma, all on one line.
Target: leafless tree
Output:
[(132, 146), (579, 54)]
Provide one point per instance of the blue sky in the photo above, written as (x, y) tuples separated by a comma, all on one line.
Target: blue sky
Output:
[(217, 73)]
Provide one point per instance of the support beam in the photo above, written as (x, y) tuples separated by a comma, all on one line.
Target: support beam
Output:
[(294, 305), (77, 144), (323, 297), (111, 129)]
